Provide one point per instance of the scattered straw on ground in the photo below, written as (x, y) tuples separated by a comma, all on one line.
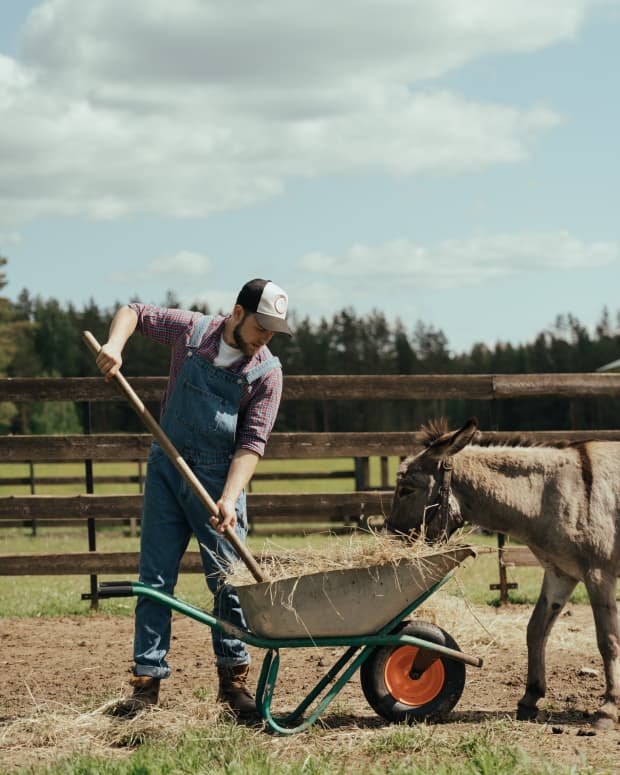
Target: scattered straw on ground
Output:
[(54, 730)]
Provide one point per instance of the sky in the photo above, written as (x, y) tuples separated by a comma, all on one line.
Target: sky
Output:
[(449, 162)]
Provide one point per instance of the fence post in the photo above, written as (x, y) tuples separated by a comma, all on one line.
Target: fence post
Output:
[(504, 585), (133, 522), (362, 473), (33, 524), (92, 534), (384, 472)]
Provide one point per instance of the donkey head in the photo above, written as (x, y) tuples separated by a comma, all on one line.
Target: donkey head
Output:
[(423, 504)]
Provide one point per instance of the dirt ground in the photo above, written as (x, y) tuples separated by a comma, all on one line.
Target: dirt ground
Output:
[(72, 665)]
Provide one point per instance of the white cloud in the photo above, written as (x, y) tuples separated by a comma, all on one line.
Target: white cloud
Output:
[(283, 44), (185, 263), (318, 299), (182, 266), (117, 108), (460, 262), (9, 238)]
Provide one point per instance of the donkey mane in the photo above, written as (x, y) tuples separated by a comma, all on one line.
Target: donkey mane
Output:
[(435, 429)]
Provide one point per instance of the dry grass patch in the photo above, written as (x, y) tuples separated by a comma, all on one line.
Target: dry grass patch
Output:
[(54, 730)]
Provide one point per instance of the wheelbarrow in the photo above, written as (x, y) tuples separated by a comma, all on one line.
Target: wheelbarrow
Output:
[(410, 671)]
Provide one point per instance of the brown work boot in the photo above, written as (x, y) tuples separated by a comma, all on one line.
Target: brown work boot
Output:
[(233, 691), (145, 694)]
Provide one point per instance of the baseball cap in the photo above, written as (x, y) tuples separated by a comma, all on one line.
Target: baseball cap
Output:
[(269, 303)]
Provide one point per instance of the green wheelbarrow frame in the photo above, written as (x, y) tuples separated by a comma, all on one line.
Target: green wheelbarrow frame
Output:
[(359, 648)]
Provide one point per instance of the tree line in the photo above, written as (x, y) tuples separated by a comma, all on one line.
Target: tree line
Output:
[(42, 338)]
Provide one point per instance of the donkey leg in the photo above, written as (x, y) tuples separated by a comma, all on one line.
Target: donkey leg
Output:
[(555, 591), (602, 592)]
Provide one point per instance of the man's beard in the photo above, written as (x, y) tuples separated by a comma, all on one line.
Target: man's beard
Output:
[(241, 343)]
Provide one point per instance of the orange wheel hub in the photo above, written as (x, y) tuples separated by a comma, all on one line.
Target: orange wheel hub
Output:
[(412, 691)]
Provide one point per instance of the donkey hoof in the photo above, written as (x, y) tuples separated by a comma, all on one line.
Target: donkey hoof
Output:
[(526, 712), (603, 723)]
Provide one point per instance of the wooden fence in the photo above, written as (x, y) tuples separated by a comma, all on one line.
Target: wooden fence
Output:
[(343, 510)]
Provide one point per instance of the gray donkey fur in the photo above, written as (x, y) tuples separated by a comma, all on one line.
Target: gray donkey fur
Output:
[(563, 501)]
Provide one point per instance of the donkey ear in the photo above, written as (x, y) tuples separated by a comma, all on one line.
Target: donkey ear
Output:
[(463, 436), (451, 443)]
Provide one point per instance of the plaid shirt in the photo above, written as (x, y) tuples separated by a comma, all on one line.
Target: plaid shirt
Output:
[(259, 402)]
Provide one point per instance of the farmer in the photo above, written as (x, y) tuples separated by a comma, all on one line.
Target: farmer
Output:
[(220, 404)]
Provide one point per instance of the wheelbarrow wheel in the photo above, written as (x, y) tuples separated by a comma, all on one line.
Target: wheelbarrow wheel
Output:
[(407, 684)]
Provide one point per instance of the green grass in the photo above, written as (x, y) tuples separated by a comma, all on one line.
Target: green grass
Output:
[(41, 470), (226, 749), (282, 467), (488, 750)]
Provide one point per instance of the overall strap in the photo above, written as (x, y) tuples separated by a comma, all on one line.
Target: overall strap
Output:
[(258, 371), (200, 327)]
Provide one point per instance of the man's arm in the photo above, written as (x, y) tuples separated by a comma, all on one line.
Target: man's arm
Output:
[(122, 327), (241, 470), (253, 430)]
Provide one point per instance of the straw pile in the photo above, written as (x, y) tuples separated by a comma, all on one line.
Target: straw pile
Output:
[(54, 730), (360, 550)]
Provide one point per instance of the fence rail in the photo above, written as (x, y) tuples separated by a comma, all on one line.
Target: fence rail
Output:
[(275, 506), (340, 387), (282, 446)]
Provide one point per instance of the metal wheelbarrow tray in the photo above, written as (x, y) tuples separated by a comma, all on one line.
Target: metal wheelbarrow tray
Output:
[(410, 671), (341, 603)]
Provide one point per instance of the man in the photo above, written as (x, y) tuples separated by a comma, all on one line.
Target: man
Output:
[(220, 405)]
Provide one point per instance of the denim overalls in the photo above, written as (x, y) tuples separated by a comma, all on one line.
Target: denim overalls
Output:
[(201, 421)]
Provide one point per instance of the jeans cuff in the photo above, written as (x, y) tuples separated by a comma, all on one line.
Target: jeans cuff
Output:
[(154, 672), (232, 661)]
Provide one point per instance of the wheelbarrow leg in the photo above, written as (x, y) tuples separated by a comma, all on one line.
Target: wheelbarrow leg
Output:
[(267, 684)]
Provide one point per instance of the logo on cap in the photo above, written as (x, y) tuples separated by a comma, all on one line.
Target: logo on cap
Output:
[(279, 304)]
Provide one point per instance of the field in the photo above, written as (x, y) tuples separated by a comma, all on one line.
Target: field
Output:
[(102, 469), (61, 664)]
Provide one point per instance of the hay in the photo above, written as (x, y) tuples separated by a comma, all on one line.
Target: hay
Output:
[(56, 730), (360, 550)]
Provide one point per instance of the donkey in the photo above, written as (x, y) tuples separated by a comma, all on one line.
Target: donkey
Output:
[(562, 500)]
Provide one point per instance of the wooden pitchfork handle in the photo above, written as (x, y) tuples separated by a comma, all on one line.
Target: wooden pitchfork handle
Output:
[(178, 461)]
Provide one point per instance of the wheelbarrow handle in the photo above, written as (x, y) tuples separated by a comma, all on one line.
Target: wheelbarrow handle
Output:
[(178, 460)]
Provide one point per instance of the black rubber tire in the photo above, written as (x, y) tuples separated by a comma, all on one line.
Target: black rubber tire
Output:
[(436, 702)]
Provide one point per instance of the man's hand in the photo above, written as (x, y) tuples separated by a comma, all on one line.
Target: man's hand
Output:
[(228, 515), (109, 361), (242, 468)]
